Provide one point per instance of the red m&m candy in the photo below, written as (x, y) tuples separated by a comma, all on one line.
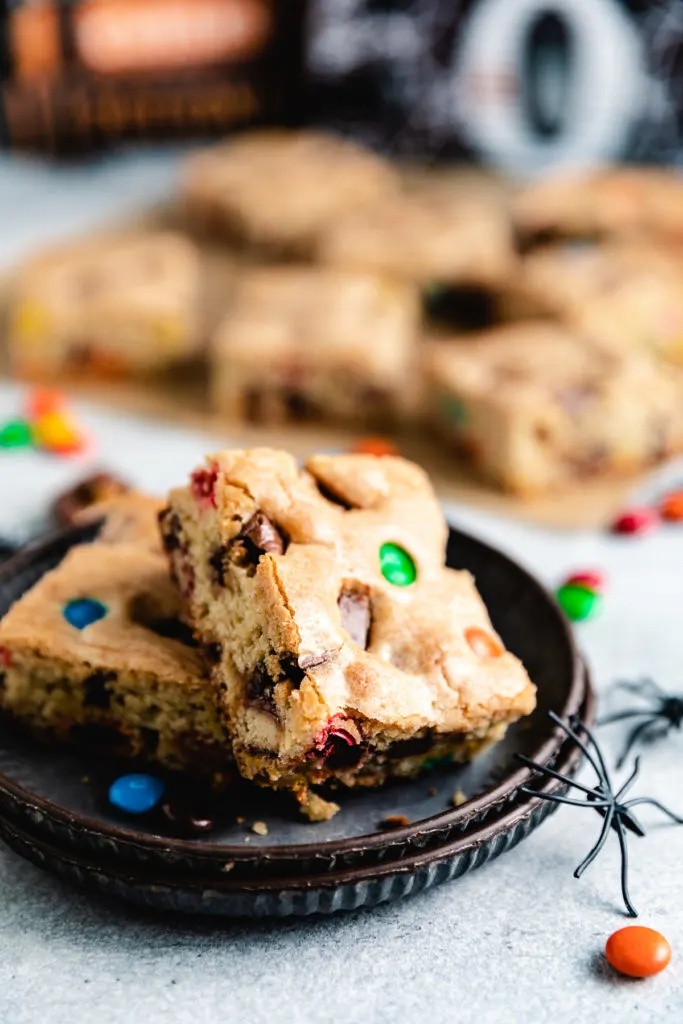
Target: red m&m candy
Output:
[(593, 579), (635, 521)]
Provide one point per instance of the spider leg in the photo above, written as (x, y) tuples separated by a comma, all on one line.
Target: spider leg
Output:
[(619, 716), (598, 753), (633, 738), (630, 780), (557, 799), (623, 846), (641, 800), (645, 683), (545, 770), (602, 839), (573, 735)]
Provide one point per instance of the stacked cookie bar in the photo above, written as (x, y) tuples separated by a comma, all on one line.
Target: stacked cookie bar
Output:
[(341, 646), (303, 622)]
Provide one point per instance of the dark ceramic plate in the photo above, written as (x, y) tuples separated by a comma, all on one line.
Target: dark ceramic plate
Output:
[(43, 793), (302, 895)]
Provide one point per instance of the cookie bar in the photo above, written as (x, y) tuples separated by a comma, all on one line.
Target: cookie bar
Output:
[(303, 343), (629, 295), (131, 518), (624, 200), (118, 307), (431, 234), (343, 648), (95, 655), (277, 190), (536, 406)]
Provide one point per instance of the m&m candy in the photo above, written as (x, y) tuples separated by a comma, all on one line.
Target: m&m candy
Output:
[(374, 446), (16, 434), (137, 793), (637, 951), (83, 612), (579, 602), (57, 432), (43, 401), (396, 565), (671, 507), (591, 578), (635, 521)]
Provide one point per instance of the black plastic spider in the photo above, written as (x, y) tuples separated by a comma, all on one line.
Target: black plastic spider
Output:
[(617, 814), (665, 711)]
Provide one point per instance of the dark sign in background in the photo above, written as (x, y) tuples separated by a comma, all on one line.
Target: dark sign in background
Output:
[(524, 85), (521, 84)]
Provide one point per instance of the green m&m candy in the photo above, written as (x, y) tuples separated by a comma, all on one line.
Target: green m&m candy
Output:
[(579, 603), (16, 434), (397, 566)]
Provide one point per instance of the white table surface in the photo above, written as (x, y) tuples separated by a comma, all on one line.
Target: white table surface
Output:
[(517, 941)]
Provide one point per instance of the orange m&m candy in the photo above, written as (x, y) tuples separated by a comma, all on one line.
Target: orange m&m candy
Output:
[(374, 446), (638, 952), (671, 507), (482, 643)]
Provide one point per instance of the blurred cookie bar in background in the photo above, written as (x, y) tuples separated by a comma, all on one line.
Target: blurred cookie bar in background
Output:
[(305, 343), (278, 190), (537, 407), (117, 307)]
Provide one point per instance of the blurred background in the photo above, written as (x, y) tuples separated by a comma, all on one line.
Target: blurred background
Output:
[(466, 107)]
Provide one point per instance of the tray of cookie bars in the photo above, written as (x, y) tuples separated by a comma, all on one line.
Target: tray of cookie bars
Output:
[(282, 689), (521, 344)]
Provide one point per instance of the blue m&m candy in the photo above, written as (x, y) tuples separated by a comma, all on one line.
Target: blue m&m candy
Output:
[(83, 611), (136, 794)]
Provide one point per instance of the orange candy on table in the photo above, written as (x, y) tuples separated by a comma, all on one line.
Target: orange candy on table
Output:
[(43, 401), (374, 446), (671, 507), (637, 951)]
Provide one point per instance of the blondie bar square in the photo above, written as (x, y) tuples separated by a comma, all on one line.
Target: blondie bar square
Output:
[(303, 343), (342, 647), (113, 308), (95, 654), (537, 406)]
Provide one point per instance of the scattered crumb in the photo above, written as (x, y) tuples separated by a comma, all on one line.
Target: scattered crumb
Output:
[(228, 866), (247, 839), (317, 809), (459, 798), (432, 791), (85, 779), (260, 828), (395, 821), (240, 821)]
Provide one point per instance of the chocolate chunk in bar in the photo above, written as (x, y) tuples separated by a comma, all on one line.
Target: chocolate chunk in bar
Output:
[(354, 607)]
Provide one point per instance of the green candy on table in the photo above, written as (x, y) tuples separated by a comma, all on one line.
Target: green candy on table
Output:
[(16, 434), (579, 603)]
